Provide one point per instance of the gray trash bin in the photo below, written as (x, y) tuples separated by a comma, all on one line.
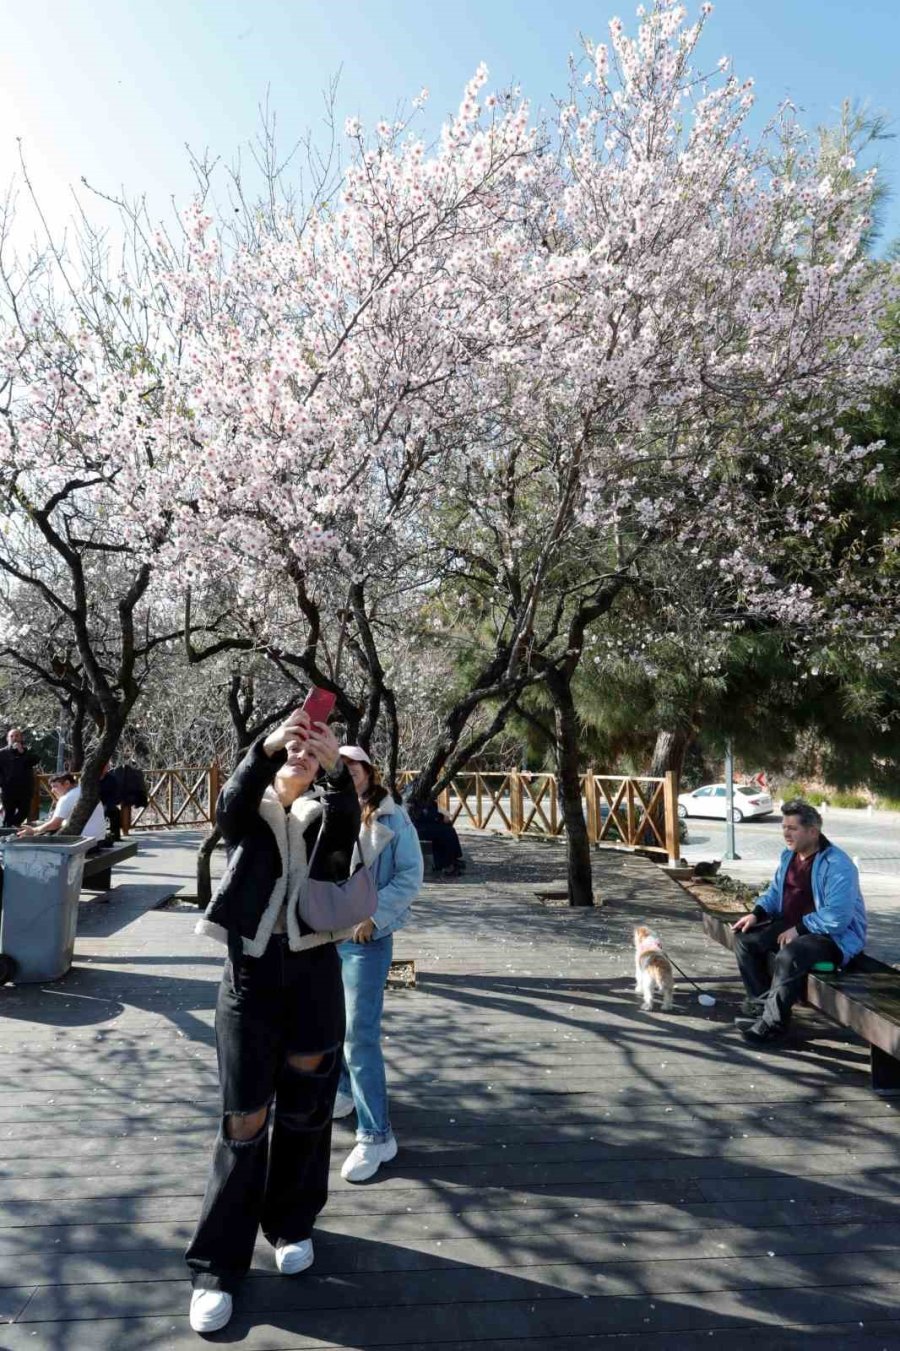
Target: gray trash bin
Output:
[(41, 885)]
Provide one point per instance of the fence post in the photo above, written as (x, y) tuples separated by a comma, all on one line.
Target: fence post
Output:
[(591, 813), (516, 813), (213, 785), (670, 797), (125, 818)]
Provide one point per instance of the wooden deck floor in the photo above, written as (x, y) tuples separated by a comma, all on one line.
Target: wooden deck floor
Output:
[(573, 1172)]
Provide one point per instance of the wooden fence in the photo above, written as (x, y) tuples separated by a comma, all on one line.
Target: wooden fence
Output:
[(629, 812), (175, 797)]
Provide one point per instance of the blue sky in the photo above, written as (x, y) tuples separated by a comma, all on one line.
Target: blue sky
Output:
[(112, 90)]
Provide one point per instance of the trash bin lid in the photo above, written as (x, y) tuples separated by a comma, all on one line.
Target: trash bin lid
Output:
[(69, 844)]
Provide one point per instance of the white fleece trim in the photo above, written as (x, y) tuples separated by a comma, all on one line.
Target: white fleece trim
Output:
[(289, 831), (375, 837), (207, 928), (294, 867)]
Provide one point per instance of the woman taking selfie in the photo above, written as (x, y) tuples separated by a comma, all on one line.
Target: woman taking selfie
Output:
[(280, 1010), (389, 847)]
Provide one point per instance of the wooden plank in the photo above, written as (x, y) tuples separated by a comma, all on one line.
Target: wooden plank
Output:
[(451, 1284), (292, 1333), (465, 1178), (341, 1314), (14, 1301), (156, 1253)]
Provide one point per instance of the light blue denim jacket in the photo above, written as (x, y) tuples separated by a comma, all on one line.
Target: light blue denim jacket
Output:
[(390, 848), (840, 911)]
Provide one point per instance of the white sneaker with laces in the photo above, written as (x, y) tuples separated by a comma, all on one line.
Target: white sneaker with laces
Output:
[(293, 1257), (366, 1158), (343, 1106), (210, 1310)]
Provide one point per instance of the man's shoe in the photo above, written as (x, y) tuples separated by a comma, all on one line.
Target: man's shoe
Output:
[(364, 1161), (743, 1023), (293, 1257), (762, 1033), (751, 1006), (343, 1106), (210, 1310)]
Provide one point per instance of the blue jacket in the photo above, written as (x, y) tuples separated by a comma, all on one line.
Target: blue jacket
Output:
[(840, 911), (390, 847)]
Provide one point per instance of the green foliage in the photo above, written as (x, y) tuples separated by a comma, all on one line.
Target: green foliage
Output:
[(849, 800), (792, 790)]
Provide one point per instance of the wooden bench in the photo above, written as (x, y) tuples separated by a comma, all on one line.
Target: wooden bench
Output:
[(97, 875), (864, 997)]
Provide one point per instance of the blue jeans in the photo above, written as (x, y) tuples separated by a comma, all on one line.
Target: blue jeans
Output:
[(364, 967)]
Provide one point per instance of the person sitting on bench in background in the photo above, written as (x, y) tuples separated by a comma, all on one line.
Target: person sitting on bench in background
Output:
[(111, 802), (67, 793), (811, 913), (431, 824)]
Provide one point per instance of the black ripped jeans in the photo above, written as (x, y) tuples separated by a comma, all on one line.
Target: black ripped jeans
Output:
[(281, 1004)]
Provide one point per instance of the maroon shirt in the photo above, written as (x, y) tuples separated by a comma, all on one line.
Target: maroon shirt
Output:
[(797, 897)]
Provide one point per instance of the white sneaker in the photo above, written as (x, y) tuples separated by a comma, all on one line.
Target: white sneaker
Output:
[(293, 1257), (343, 1106), (210, 1310), (364, 1161)]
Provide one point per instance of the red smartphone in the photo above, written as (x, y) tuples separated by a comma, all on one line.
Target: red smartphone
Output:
[(318, 704)]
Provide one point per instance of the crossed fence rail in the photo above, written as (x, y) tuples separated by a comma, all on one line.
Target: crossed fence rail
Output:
[(634, 812), (175, 797)]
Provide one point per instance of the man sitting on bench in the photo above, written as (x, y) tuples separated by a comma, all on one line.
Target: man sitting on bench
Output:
[(67, 793), (812, 915)]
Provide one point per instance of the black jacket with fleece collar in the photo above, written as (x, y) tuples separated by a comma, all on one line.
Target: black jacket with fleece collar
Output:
[(254, 826)]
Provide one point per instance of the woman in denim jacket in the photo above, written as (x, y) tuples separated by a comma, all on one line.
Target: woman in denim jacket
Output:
[(389, 846)]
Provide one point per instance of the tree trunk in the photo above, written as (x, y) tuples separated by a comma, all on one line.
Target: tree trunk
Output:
[(100, 755), (568, 748), (393, 728), (76, 734), (669, 752)]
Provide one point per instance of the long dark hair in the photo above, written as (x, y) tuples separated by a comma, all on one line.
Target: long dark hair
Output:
[(374, 795)]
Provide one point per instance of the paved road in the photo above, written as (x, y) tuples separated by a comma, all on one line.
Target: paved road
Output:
[(874, 841)]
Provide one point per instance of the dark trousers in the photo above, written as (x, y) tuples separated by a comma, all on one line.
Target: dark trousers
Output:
[(445, 847), (280, 1004), (792, 964), (15, 811)]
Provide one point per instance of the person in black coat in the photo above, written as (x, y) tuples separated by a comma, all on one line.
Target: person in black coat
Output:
[(431, 824), (16, 779), (280, 1010), (110, 800)]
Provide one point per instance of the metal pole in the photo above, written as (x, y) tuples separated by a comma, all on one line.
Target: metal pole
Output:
[(730, 853), (60, 750)]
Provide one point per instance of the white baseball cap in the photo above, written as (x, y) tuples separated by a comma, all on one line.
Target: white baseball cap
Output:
[(354, 753)]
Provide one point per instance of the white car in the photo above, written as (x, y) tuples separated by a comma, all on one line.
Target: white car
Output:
[(712, 800)]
